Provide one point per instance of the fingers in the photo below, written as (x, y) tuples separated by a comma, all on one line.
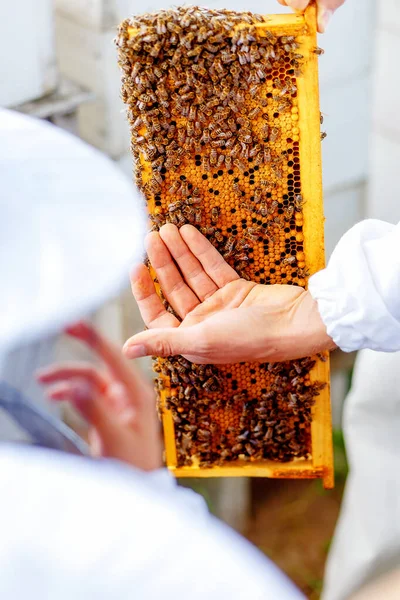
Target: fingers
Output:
[(138, 389), (151, 308), (111, 417), (176, 291), (68, 371), (212, 261), (297, 4), (79, 392), (80, 384), (191, 269), (164, 342), (326, 8)]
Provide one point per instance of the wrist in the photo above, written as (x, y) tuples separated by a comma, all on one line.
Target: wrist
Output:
[(319, 339), (305, 333)]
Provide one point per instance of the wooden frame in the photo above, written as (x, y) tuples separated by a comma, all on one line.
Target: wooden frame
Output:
[(320, 465)]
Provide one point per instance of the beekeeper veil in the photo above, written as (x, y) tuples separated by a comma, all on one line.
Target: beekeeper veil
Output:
[(71, 527)]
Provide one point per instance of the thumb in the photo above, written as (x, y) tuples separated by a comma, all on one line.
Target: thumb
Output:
[(163, 342), (297, 4)]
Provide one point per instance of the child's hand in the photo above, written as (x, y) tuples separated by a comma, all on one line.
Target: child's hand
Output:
[(117, 401), (326, 8)]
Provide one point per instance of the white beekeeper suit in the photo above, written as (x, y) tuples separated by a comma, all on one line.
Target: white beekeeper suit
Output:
[(359, 300), (73, 527)]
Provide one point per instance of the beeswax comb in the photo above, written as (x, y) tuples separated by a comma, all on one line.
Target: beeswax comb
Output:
[(226, 132)]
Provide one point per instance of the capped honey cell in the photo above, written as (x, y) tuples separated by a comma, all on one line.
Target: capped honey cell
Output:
[(225, 134)]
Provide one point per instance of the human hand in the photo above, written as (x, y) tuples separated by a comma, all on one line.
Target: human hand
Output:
[(325, 9), (117, 402), (225, 319)]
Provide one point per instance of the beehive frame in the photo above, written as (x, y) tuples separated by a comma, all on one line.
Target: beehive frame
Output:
[(320, 463)]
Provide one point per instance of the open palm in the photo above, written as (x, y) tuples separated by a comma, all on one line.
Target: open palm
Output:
[(222, 318)]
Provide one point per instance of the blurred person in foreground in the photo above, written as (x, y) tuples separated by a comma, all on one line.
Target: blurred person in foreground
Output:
[(76, 527)]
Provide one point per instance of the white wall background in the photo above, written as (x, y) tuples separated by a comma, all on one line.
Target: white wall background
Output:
[(77, 36), (27, 55)]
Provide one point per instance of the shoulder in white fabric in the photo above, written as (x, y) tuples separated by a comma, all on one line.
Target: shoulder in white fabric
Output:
[(74, 528)]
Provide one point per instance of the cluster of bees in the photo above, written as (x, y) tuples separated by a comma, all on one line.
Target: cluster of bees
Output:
[(211, 100)]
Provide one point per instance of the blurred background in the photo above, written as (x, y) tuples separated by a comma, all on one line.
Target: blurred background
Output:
[(58, 62)]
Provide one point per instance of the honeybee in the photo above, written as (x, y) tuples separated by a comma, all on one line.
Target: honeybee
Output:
[(242, 258), (154, 186), (303, 273), (239, 164), (231, 124), (287, 39), (245, 137), (284, 106), (206, 164), (184, 191), (267, 184), (277, 171), (199, 70), (174, 206), (192, 113), (213, 157), (298, 202), (247, 207), (254, 54), (237, 449), (274, 134), (254, 150), (319, 51), (215, 211), (190, 129), (206, 136), (207, 231), (263, 209), (289, 260), (267, 154), (221, 159), (228, 161), (254, 233), (218, 236), (253, 90), (244, 152), (229, 247), (254, 113), (189, 213), (211, 385), (218, 144), (288, 212), (260, 71), (244, 122), (258, 159), (273, 207), (323, 135), (227, 57)]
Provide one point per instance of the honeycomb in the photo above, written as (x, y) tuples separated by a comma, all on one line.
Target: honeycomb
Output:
[(225, 129)]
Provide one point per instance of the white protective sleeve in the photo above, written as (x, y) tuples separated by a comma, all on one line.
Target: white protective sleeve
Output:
[(366, 543), (358, 294)]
